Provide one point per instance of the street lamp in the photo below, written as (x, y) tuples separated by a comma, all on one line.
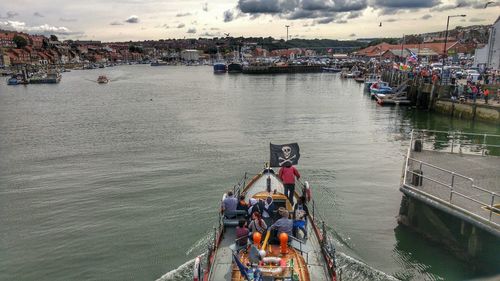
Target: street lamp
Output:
[(287, 26), (445, 53)]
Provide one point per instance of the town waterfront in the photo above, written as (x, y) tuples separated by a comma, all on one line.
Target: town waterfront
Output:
[(121, 181)]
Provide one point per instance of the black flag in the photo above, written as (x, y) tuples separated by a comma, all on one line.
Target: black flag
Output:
[(282, 154)]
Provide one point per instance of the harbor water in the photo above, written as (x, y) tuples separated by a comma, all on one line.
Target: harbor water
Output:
[(122, 181)]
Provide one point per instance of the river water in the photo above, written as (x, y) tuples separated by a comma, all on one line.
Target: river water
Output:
[(122, 181)]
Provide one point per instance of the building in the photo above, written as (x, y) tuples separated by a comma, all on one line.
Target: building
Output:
[(489, 55), (190, 55)]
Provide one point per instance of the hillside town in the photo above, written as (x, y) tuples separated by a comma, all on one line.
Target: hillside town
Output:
[(21, 49)]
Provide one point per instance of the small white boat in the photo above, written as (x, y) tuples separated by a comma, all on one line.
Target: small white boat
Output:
[(102, 79)]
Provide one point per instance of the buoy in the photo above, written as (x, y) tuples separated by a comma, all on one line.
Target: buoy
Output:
[(257, 237), (283, 242)]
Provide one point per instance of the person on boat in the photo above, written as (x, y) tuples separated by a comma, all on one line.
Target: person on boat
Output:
[(268, 208), (229, 205), (242, 233), (284, 224), (287, 174), (254, 207), (300, 213), (257, 224), (242, 205)]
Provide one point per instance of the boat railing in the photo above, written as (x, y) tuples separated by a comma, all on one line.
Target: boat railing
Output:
[(238, 187)]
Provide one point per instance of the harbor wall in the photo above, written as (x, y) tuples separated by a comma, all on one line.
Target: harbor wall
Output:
[(425, 95), (465, 238), (255, 69)]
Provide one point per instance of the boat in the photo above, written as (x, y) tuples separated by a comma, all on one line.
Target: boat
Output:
[(380, 87), (310, 258), (219, 65), (331, 69), (372, 78), (12, 81), (52, 77), (392, 99), (359, 79), (102, 79), (234, 67)]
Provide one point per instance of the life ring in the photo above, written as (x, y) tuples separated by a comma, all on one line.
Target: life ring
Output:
[(273, 261)]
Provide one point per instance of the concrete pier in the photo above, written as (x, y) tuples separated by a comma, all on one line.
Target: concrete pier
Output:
[(451, 187)]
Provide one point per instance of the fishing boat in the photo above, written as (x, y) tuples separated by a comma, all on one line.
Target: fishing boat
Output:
[(331, 69), (372, 78), (219, 65), (102, 79), (300, 258), (392, 99), (380, 87), (359, 79)]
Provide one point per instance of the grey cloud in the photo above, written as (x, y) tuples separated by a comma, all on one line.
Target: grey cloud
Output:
[(267, 6), (132, 19), (355, 14), (191, 30), (340, 21), (9, 15), (352, 35), (67, 20), (476, 4), (388, 7), (426, 17), (37, 14), (183, 14), (214, 28), (228, 16), (391, 20), (325, 20), (204, 6), (476, 20), (116, 23), (166, 26), (181, 25)]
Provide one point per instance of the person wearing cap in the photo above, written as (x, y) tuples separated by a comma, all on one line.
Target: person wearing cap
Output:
[(284, 224), (287, 174)]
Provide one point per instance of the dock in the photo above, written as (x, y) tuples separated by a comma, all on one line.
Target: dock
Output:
[(451, 187)]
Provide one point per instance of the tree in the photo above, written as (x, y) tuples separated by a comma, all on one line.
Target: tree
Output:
[(20, 41), (53, 38)]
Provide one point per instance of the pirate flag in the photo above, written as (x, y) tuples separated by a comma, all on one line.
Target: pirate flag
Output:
[(284, 154)]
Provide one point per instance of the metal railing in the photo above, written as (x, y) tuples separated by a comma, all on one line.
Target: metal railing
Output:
[(419, 171), (458, 142)]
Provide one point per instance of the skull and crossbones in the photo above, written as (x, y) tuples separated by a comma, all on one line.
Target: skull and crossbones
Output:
[(286, 152)]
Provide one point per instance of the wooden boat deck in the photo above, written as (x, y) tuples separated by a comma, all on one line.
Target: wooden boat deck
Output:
[(225, 270)]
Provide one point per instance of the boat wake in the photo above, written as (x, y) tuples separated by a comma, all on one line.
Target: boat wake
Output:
[(184, 272), (349, 268)]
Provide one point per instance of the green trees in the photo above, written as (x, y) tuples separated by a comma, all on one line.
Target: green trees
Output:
[(20, 41)]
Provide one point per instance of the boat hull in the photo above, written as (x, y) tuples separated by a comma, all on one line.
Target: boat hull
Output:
[(320, 264)]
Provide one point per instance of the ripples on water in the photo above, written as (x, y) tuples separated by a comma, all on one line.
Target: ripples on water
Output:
[(121, 181)]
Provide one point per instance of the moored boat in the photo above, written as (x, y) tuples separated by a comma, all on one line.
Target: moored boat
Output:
[(234, 67), (300, 258), (12, 81), (380, 87)]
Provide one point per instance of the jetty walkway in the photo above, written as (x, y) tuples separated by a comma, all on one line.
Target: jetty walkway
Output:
[(458, 171)]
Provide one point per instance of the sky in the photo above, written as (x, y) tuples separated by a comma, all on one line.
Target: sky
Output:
[(124, 20)]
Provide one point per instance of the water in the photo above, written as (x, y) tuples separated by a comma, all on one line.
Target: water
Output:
[(121, 181)]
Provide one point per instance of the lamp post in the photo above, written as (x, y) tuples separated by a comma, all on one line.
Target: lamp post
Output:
[(287, 26), (445, 53)]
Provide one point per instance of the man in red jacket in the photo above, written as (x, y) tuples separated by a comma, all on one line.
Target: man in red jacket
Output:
[(287, 175)]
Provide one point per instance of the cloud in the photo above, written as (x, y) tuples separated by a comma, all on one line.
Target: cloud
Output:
[(391, 20), (214, 28), (181, 25), (67, 20), (191, 30), (352, 35), (166, 26), (388, 7), (476, 4), (44, 29), (325, 20), (116, 23), (340, 21), (355, 14), (37, 14), (426, 17), (204, 6), (476, 20), (228, 16), (179, 15), (9, 15), (132, 19)]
